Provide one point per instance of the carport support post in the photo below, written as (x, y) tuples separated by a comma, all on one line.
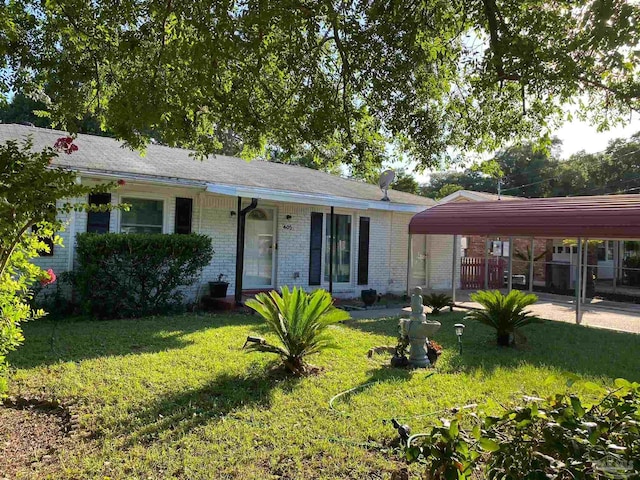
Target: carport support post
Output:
[(531, 259), (453, 270), (486, 263), (510, 280), (585, 268), (409, 264), (616, 262), (579, 283)]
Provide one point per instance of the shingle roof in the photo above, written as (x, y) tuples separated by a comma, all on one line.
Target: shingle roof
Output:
[(103, 154)]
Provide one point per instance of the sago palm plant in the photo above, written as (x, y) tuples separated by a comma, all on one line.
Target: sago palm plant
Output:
[(299, 320), (505, 313), (436, 301)]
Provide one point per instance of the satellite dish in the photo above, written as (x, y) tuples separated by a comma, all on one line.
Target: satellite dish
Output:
[(386, 179)]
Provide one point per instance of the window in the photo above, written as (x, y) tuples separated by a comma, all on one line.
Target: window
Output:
[(341, 246), (144, 216)]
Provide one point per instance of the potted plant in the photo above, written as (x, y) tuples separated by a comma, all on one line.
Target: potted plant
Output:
[(369, 296), (218, 289)]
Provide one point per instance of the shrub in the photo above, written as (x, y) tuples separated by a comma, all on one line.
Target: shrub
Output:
[(436, 301), (32, 194), (133, 275), (300, 321), (561, 437), (633, 274), (505, 313)]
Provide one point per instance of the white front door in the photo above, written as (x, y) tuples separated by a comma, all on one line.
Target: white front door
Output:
[(259, 246)]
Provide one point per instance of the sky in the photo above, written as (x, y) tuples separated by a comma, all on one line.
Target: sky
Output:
[(575, 136)]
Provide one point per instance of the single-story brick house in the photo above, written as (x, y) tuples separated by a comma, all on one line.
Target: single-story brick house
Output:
[(287, 233)]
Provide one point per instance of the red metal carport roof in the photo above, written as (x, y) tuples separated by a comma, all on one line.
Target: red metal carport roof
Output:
[(607, 216)]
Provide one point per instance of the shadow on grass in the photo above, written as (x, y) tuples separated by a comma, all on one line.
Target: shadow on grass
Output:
[(178, 414), (567, 347), (50, 341)]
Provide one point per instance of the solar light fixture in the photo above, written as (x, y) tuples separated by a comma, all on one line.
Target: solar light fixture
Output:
[(459, 331)]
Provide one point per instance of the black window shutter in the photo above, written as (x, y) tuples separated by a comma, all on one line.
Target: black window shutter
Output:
[(98, 222), (184, 212), (363, 251), (48, 241), (315, 249)]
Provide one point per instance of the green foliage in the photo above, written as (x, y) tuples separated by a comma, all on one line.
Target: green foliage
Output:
[(405, 182), (132, 275), (31, 195), (299, 320), (325, 77), (446, 190), (505, 313), (562, 436), (436, 301)]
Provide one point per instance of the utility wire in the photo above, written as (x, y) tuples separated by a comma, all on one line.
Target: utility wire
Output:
[(559, 175)]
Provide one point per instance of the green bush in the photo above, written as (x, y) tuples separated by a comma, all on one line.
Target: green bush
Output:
[(505, 313), (633, 274), (436, 301), (32, 196), (561, 437), (134, 275), (300, 321)]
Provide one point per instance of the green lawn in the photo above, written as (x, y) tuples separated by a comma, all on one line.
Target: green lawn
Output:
[(176, 397)]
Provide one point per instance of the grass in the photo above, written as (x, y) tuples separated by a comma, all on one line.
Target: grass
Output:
[(176, 397)]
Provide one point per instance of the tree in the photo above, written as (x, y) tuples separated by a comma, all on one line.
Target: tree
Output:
[(31, 195), (324, 76), (441, 182), (405, 182), (447, 190)]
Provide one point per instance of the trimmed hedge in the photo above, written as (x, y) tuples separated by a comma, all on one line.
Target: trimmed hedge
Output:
[(134, 275)]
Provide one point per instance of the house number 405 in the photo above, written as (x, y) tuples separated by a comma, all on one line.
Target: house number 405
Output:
[(287, 227)]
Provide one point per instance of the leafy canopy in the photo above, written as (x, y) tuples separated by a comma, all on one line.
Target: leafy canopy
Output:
[(324, 78)]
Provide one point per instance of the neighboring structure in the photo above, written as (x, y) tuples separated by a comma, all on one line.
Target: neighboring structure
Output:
[(473, 196), (287, 227)]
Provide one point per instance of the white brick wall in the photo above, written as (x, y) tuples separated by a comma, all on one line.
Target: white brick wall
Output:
[(388, 241)]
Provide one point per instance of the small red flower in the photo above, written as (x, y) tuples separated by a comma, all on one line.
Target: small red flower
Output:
[(48, 278), (66, 145), (121, 182)]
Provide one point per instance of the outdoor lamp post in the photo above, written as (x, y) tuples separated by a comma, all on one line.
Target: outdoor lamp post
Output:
[(459, 331)]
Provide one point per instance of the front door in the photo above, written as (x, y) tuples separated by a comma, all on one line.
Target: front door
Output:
[(259, 246)]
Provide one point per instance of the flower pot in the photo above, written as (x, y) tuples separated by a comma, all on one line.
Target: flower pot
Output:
[(218, 289), (369, 296)]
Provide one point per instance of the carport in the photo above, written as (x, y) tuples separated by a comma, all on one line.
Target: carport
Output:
[(610, 217)]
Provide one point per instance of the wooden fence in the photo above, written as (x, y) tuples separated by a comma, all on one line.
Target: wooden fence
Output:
[(472, 273)]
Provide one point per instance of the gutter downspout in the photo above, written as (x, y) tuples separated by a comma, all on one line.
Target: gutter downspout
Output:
[(242, 215)]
